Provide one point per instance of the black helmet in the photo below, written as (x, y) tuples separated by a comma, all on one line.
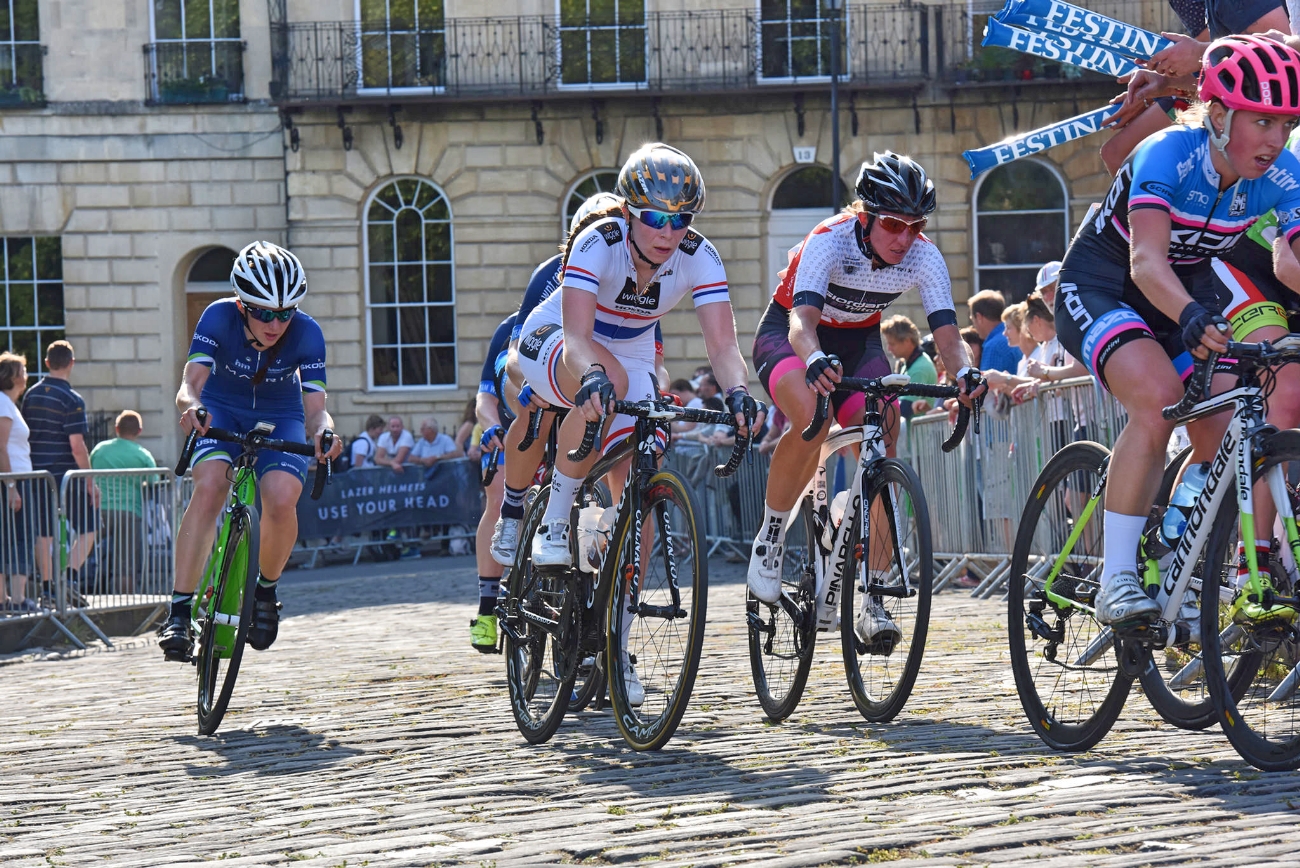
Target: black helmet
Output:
[(895, 184), (661, 178)]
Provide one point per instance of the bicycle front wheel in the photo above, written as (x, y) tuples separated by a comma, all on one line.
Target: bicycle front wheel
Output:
[(656, 625), (1064, 662), (1251, 662), (227, 616), (780, 641), (883, 624), (541, 637)]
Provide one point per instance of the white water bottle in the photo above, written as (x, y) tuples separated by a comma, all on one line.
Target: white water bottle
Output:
[(588, 533), (1181, 502)]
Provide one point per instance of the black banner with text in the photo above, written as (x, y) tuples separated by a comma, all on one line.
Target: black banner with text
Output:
[(376, 498)]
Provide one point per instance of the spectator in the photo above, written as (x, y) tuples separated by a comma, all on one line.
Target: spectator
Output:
[(465, 438), (1049, 363), (774, 432), (682, 389), (122, 501), (903, 341), (1002, 382), (1045, 285), (366, 446), (15, 457), (973, 340), (57, 417), (707, 388), (394, 445), (700, 373), (433, 446), (986, 317)]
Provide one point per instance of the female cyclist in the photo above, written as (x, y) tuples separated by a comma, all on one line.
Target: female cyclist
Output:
[(826, 311), (1137, 293)]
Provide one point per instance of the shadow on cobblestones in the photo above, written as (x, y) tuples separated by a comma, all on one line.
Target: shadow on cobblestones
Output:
[(274, 750)]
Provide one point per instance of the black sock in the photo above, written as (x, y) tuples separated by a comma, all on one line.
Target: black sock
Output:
[(181, 605), (265, 588), (513, 505), (488, 589)]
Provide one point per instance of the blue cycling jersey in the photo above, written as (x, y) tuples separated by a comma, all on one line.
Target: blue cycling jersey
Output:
[(544, 282), (494, 363), (219, 343), (1172, 171)]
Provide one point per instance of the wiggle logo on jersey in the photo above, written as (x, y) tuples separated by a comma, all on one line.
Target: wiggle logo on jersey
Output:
[(691, 243), (648, 300), (611, 232), (531, 344)]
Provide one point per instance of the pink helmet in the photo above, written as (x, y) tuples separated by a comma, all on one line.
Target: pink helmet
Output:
[(1252, 73)]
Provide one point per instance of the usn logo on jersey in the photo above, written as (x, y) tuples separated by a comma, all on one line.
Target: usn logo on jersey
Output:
[(646, 301)]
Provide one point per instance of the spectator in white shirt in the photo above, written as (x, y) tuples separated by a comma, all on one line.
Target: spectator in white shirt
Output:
[(366, 446), (394, 445), (433, 446)]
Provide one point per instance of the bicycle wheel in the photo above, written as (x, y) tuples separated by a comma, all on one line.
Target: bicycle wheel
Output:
[(542, 637), (1250, 665), (900, 571), (590, 680), (780, 641), (1066, 671), (227, 615), (663, 637)]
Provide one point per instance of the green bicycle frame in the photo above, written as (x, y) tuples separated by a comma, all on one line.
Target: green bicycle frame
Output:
[(225, 611)]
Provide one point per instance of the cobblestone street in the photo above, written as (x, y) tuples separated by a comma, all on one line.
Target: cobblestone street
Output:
[(373, 735)]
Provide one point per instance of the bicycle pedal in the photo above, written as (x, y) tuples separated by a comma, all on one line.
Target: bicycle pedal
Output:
[(486, 649), (179, 657)]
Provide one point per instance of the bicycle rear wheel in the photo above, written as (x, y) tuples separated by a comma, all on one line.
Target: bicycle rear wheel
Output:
[(227, 616), (1066, 671), (1250, 665), (781, 642), (664, 635), (541, 636), (881, 674)]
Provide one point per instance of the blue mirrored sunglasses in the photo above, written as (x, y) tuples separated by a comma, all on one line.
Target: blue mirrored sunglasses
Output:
[(262, 314), (659, 219)]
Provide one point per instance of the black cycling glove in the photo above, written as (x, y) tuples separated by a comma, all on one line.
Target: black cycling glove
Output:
[(740, 402), (1194, 320), (594, 382), (819, 366)]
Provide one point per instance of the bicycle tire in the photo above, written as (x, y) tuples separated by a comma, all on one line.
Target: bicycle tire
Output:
[(1058, 495), (232, 593), (529, 669), (1264, 730), (781, 650), (881, 677), (667, 674)]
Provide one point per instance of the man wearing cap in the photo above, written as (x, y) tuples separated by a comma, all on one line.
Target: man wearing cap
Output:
[(1048, 277)]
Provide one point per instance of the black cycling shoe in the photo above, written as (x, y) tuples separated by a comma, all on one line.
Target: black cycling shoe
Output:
[(266, 624), (175, 639)]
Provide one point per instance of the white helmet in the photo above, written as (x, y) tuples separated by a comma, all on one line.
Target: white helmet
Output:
[(267, 275), (598, 202)]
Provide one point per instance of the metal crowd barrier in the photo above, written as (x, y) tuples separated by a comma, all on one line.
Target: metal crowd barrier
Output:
[(977, 492), (733, 507)]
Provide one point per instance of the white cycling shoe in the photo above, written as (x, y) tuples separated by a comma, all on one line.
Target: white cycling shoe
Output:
[(1124, 599), (505, 541), (632, 684), (551, 545), (765, 570), (874, 626)]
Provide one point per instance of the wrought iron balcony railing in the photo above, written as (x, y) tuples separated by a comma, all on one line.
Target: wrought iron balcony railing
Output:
[(194, 72)]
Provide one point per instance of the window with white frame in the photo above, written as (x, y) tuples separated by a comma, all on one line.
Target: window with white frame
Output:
[(410, 286), (599, 181), (31, 275), (196, 55), (1021, 222), (403, 43), (21, 75), (795, 38), (602, 42)]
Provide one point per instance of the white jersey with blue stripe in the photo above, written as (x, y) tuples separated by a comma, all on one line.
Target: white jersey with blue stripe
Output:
[(602, 263)]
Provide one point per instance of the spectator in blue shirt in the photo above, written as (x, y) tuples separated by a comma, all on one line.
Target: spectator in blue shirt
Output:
[(57, 417), (986, 316)]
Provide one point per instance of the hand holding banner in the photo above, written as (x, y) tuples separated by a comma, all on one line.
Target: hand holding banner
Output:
[(1064, 19)]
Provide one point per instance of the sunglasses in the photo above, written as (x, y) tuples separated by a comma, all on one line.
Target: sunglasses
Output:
[(262, 314), (894, 226), (660, 219)]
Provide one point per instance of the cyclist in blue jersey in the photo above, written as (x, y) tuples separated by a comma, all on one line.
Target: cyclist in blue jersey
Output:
[(254, 358), (1137, 296)]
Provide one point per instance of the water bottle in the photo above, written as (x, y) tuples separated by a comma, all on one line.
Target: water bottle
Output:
[(1180, 504), (595, 526)]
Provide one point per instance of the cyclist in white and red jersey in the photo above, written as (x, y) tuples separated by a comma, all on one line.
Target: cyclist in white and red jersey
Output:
[(824, 321)]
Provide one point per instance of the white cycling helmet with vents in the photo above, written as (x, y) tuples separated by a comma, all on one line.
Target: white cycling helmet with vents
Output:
[(267, 275)]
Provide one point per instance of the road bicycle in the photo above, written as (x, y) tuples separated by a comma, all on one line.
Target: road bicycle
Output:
[(1200, 661), (223, 602), (642, 603), (826, 565)]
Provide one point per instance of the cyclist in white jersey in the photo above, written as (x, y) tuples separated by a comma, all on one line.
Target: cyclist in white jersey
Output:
[(594, 340), (824, 322)]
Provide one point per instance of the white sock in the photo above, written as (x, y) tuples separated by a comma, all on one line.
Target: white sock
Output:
[(563, 491), (772, 530), (1119, 550)]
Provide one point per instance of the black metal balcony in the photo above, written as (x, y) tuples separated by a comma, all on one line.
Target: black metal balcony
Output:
[(194, 72), (539, 57), (22, 76)]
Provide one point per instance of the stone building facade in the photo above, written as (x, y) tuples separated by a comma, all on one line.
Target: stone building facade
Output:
[(146, 190)]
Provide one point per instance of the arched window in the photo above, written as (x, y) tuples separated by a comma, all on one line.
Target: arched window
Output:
[(410, 286), (207, 281), (599, 181), (799, 202), (809, 187), (1020, 223)]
